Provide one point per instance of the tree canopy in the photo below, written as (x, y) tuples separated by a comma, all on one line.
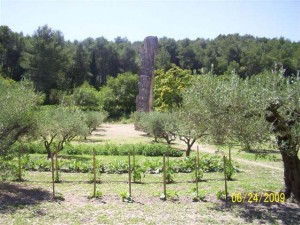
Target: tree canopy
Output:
[(18, 103), (55, 64), (59, 125), (252, 111)]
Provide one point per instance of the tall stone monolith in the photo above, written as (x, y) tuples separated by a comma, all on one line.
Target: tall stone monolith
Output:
[(144, 100)]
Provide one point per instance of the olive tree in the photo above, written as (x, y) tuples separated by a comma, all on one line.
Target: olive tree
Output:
[(229, 108), (192, 118), (253, 110), (94, 119), (159, 125), (60, 125), (18, 102)]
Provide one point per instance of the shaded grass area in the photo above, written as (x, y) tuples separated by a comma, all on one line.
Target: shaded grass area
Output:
[(14, 196), (147, 208)]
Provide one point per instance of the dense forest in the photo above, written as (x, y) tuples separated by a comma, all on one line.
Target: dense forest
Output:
[(55, 64)]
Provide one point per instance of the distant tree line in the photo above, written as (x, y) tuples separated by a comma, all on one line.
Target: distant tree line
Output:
[(54, 63)]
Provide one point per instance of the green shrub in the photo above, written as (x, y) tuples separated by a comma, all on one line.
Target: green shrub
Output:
[(117, 167), (198, 177), (98, 195), (130, 148), (138, 172), (161, 149), (230, 169), (153, 166), (199, 197), (126, 197), (220, 194), (136, 119), (156, 149), (186, 165), (112, 149), (211, 163), (8, 169), (172, 195), (73, 150), (159, 125), (169, 175), (94, 119), (75, 166), (34, 147)]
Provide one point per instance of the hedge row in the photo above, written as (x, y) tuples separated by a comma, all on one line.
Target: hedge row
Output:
[(155, 149)]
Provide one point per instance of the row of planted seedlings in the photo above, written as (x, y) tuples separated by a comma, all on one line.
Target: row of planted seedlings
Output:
[(135, 174)]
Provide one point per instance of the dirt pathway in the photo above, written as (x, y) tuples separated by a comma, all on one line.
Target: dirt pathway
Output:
[(117, 131), (208, 149), (126, 132)]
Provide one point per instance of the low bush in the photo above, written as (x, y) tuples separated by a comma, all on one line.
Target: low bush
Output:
[(153, 166), (160, 125), (148, 165), (34, 147), (186, 165), (8, 169), (156, 149), (117, 167), (138, 172)]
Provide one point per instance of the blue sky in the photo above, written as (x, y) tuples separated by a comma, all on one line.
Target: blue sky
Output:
[(138, 19)]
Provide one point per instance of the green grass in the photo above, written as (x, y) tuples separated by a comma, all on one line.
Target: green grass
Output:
[(147, 208), (30, 202)]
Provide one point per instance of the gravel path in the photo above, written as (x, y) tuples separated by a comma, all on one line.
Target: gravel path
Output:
[(118, 131)]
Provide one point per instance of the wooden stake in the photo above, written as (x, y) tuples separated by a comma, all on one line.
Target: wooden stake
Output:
[(129, 174), (230, 154), (133, 166), (53, 181), (164, 176), (94, 170), (197, 171), (56, 164), (20, 164), (168, 162), (225, 177)]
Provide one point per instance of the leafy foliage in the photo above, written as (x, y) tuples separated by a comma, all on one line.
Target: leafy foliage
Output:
[(119, 95), (159, 125), (138, 172), (58, 126), (126, 197), (46, 60), (12, 45), (18, 102), (172, 195), (84, 165), (169, 86), (98, 195), (63, 65), (252, 111), (94, 119), (155, 149), (117, 167), (85, 97)]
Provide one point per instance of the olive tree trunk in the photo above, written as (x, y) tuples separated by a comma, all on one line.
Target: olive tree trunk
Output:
[(291, 164), (287, 144)]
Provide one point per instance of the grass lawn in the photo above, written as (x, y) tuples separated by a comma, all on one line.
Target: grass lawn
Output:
[(30, 202)]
